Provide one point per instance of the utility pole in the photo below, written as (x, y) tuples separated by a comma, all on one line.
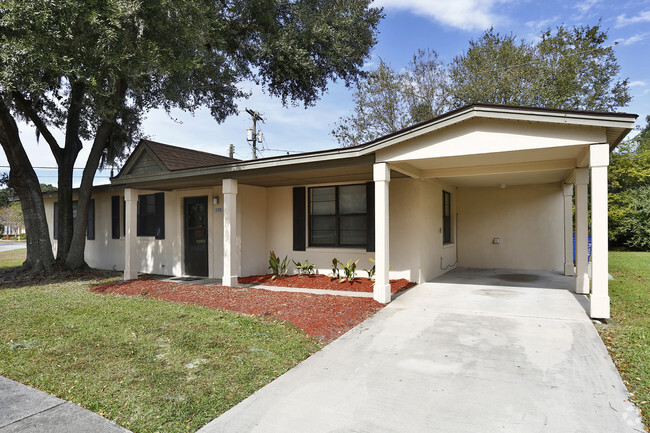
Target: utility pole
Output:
[(251, 134)]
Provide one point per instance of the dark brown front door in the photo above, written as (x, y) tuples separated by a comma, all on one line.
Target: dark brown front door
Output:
[(196, 236)]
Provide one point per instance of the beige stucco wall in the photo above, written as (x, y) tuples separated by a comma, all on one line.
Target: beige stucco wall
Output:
[(527, 219), (253, 228), (103, 252), (415, 232)]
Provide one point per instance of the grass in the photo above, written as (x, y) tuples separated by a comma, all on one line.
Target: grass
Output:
[(627, 334), (12, 258), (148, 365)]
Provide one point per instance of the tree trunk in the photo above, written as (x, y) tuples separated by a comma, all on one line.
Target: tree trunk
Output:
[(75, 258), (65, 223), (66, 160), (77, 250), (23, 179)]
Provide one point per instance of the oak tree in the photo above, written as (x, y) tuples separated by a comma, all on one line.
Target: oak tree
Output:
[(92, 69)]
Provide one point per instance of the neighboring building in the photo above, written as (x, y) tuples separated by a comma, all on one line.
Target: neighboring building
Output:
[(480, 187)]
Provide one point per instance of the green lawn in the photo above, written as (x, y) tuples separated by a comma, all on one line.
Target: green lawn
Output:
[(151, 366), (627, 334), (12, 258)]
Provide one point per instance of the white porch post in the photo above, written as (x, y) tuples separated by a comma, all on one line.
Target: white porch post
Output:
[(381, 291), (130, 244), (598, 161), (568, 229), (582, 275), (231, 257)]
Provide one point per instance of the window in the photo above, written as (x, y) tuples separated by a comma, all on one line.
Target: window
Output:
[(446, 217), (90, 226), (151, 215), (338, 216)]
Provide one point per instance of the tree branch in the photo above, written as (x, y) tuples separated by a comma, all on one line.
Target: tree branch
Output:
[(28, 110), (73, 121)]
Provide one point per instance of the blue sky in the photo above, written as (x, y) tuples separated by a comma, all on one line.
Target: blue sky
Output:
[(442, 25)]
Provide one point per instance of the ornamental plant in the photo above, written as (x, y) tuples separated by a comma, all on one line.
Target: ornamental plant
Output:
[(279, 268), (371, 271), (305, 268), (350, 270)]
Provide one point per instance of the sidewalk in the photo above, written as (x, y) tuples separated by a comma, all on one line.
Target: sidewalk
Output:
[(28, 410)]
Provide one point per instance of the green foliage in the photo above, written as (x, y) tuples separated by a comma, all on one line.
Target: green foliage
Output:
[(336, 272), (12, 216), (566, 68), (304, 268), (627, 333), (94, 69), (349, 270), (387, 101), (629, 193), (277, 266), (148, 365), (371, 271)]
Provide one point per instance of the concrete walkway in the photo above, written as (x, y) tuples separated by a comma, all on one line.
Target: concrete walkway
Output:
[(454, 357), (12, 245), (28, 410)]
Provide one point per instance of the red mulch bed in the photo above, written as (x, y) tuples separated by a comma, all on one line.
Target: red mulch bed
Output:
[(320, 281), (324, 317)]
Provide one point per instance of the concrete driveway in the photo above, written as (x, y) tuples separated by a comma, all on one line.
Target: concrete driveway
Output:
[(470, 352)]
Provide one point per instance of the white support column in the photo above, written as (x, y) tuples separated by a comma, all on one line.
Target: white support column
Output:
[(381, 291), (231, 256), (582, 273), (568, 229), (598, 161), (131, 240)]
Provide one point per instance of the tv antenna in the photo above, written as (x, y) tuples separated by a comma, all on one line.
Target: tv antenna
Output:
[(254, 136)]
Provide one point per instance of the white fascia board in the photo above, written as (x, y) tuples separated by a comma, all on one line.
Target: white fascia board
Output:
[(507, 113)]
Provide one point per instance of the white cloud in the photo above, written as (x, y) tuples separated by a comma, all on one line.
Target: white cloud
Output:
[(623, 20), (585, 6), (462, 14), (541, 24), (632, 39), (638, 83)]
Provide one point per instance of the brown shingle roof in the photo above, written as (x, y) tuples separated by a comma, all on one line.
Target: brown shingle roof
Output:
[(179, 158)]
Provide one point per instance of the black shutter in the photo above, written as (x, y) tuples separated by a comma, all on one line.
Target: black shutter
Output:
[(90, 228), (159, 199), (56, 220), (299, 219), (141, 205), (124, 217), (115, 217), (370, 215)]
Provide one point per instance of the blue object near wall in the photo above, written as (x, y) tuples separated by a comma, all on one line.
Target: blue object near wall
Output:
[(588, 247)]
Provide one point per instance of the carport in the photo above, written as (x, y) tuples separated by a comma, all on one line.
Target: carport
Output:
[(515, 176)]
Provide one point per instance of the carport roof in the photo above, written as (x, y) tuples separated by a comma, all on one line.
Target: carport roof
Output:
[(356, 161)]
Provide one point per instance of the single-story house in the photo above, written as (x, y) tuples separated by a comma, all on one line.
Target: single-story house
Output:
[(483, 186)]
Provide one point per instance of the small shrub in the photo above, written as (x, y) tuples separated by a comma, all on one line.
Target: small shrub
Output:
[(279, 268), (305, 268), (336, 272), (350, 270), (371, 271)]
